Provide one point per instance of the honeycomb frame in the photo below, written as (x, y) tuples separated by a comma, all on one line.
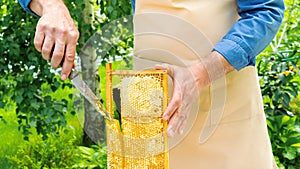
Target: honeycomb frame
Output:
[(142, 143)]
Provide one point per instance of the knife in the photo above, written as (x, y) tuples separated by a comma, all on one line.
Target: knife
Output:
[(88, 94)]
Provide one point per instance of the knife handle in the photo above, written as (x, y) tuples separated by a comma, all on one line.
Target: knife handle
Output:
[(73, 74)]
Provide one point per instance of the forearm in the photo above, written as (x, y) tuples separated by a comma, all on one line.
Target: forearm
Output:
[(258, 25)]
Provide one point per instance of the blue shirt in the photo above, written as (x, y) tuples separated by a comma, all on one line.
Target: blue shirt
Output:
[(25, 6), (259, 22)]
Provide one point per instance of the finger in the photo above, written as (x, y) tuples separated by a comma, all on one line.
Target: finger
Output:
[(39, 37), (58, 54), (47, 47), (182, 120), (174, 103), (170, 129), (182, 126), (177, 95), (68, 61), (182, 117), (167, 67), (163, 66)]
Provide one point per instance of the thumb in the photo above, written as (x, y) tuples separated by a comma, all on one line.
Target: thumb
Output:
[(165, 66)]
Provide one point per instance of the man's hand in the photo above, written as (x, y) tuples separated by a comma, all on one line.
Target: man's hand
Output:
[(56, 34), (185, 92), (188, 83)]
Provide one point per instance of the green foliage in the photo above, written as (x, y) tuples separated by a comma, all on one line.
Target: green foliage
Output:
[(286, 141), (279, 65), (41, 154), (278, 68), (105, 17), (56, 152), (91, 157), (115, 9), (114, 41), (9, 131)]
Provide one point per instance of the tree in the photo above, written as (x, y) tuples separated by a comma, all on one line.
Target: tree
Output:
[(90, 27)]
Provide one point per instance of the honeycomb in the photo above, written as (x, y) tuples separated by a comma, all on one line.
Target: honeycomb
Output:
[(141, 97), (142, 142)]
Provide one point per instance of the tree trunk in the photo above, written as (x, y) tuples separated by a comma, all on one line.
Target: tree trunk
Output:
[(94, 124)]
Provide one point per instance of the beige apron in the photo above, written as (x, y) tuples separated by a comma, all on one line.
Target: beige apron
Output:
[(227, 128)]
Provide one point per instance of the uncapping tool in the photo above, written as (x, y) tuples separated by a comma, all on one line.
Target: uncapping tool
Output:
[(88, 94)]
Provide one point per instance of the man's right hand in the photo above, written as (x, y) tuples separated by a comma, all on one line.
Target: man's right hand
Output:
[(56, 34)]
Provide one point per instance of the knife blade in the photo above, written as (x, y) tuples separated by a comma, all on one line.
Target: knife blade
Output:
[(88, 94)]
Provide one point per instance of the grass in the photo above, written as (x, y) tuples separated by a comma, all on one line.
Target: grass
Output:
[(11, 138)]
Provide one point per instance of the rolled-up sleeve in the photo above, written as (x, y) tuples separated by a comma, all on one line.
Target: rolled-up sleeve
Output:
[(25, 5), (259, 22), (133, 5)]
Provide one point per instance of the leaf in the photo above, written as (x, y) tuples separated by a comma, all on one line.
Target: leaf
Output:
[(86, 150), (19, 99), (110, 9), (293, 139), (296, 145), (270, 124), (114, 2), (285, 119), (58, 107), (289, 154), (277, 94), (286, 99), (35, 105)]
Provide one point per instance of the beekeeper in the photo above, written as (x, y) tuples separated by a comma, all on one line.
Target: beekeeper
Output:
[(216, 118)]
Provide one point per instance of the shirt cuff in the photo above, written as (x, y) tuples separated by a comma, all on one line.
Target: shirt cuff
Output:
[(235, 51), (25, 5)]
